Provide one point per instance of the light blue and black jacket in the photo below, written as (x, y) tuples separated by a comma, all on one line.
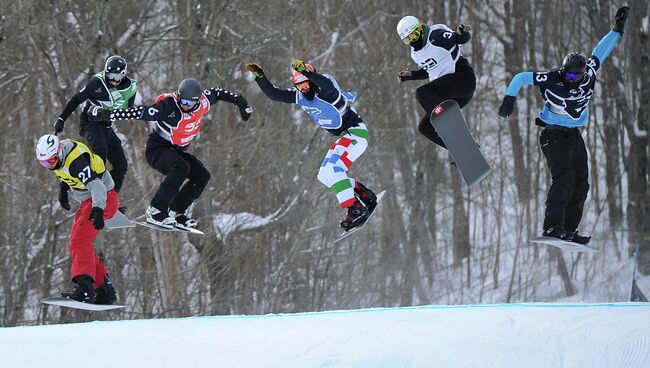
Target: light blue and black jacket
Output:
[(566, 105)]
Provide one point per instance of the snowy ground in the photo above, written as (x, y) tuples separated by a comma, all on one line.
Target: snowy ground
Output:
[(501, 335)]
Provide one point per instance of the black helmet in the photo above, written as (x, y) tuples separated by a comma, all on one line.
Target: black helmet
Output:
[(189, 89), (574, 67), (115, 68)]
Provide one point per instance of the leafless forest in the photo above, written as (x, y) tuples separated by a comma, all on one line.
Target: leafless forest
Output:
[(432, 241)]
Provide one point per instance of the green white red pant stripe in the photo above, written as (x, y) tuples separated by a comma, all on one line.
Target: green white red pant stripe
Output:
[(351, 144)]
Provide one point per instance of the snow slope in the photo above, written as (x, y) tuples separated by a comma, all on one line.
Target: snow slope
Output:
[(500, 335)]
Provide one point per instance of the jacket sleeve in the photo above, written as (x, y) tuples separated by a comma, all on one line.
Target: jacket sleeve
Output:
[(219, 94), (155, 112), (84, 93), (325, 85), (70, 107), (605, 47), (274, 93), (97, 192), (419, 74), (519, 80)]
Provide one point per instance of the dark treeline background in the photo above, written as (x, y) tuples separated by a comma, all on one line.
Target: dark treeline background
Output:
[(269, 223)]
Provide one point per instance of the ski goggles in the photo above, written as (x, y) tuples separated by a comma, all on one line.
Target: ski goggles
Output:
[(115, 77), (189, 101), (573, 77), (302, 86), (412, 37), (49, 163)]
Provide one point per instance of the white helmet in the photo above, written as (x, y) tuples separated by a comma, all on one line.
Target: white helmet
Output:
[(408, 25), (48, 151)]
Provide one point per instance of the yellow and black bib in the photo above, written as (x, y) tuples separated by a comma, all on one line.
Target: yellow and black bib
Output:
[(81, 174)]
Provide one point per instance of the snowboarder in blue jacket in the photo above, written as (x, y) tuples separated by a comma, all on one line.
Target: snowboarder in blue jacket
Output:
[(566, 92)]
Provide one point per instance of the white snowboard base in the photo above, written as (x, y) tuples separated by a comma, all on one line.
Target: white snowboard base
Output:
[(176, 229), (70, 303), (563, 245)]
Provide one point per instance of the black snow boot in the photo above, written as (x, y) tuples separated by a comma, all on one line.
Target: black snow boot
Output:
[(357, 215), (367, 196), (106, 293), (84, 291), (576, 238), (558, 232)]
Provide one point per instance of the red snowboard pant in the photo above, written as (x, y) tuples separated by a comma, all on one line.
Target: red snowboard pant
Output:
[(82, 237)]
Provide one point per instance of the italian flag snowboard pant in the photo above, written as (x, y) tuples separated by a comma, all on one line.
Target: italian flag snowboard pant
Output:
[(82, 236), (351, 144)]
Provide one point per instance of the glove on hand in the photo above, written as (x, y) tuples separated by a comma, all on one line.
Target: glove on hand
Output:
[(463, 28), (620, 18), (58, 125), (97, 217), (404, 75), (96, 113), (256, 69), (245, 110), (507, 106), (299, 65)]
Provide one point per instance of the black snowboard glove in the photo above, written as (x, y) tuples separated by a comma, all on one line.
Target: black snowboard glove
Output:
[(97, 217), (507, 106), (245, 110), (96, 113), (64, 201), (256, 69), (463, 28), (404, 75), (463, 35), (620, 18), (58, 125)]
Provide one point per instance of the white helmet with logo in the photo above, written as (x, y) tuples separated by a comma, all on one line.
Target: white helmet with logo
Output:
[(48, 151), (408, 25)]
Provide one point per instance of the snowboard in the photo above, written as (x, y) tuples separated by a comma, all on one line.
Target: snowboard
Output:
[(118, 221), (566, 246), (448, 121), (176, 229), (355, 229), (70, 303)]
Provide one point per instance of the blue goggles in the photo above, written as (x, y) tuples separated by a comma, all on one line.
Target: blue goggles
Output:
[(188, 101), (573, 77)]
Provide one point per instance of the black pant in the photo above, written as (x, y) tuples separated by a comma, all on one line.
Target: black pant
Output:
[(458, 86), (103, 141), (177, 165), (566, 157)]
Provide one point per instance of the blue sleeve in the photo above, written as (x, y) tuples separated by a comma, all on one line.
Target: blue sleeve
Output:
[(606, 45), (521, 79)]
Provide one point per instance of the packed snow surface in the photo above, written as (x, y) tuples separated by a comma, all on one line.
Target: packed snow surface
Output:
[(499, 335)]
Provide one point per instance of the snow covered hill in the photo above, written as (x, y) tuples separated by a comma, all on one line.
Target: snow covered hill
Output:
[(501, 335)]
